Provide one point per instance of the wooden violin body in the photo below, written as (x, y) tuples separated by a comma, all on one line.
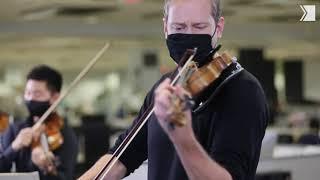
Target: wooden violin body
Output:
[(4, 121), (53, 125), (207, 74), (51, 139), (195, 80)]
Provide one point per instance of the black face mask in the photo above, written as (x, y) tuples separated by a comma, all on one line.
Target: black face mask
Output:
[(178, 44), (37, 108)]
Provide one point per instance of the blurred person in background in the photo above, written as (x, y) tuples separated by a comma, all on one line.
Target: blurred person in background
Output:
[(42, 88), (311, 137)]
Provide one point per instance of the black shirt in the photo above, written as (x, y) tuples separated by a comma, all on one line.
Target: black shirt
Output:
[(66, 153), (230, 126)]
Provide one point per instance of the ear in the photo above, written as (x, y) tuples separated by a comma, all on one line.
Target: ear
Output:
[(220, 27), (54, 97), (165, 27)]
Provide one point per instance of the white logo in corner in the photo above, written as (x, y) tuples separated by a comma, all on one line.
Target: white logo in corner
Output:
[(309, 12)]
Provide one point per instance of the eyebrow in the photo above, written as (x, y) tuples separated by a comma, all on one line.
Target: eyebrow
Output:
[(35, 91), (200, 23), (183, 24), (178, 24)]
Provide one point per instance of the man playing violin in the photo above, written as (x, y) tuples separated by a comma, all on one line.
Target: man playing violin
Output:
[(42, 89), (224, 129)]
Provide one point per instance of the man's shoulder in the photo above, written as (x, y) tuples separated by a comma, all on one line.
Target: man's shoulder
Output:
[(16, 126), (244, 81), (243, 87), (10, 133)]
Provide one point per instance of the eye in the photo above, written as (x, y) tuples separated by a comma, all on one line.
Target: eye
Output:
[(201, 26), (178, 27)]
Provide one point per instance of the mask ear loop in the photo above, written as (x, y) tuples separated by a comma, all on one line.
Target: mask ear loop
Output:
[(215, 49), (214, 33)]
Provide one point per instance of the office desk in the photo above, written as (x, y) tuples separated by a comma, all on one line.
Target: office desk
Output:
[(303, 163), (20, 176)]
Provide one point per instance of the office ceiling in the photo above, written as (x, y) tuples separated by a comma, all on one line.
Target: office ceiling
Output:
[(99, 11), (66, 34)]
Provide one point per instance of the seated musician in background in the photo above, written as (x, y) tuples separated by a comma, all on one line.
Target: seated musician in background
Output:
[(18, 143), (312, 137), (223, 131)]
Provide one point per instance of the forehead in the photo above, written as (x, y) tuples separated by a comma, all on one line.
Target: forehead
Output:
[(190, 10), (36, 85)]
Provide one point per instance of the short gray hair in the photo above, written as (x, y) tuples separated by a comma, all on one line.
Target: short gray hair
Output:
[(215, 6)]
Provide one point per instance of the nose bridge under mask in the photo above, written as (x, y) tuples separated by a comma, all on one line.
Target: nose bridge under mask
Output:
[(178, 44), (37, 108)]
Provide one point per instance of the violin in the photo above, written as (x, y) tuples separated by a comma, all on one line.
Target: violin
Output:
[(193, 79), (4, 121), (51, 139), (53, 125)]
